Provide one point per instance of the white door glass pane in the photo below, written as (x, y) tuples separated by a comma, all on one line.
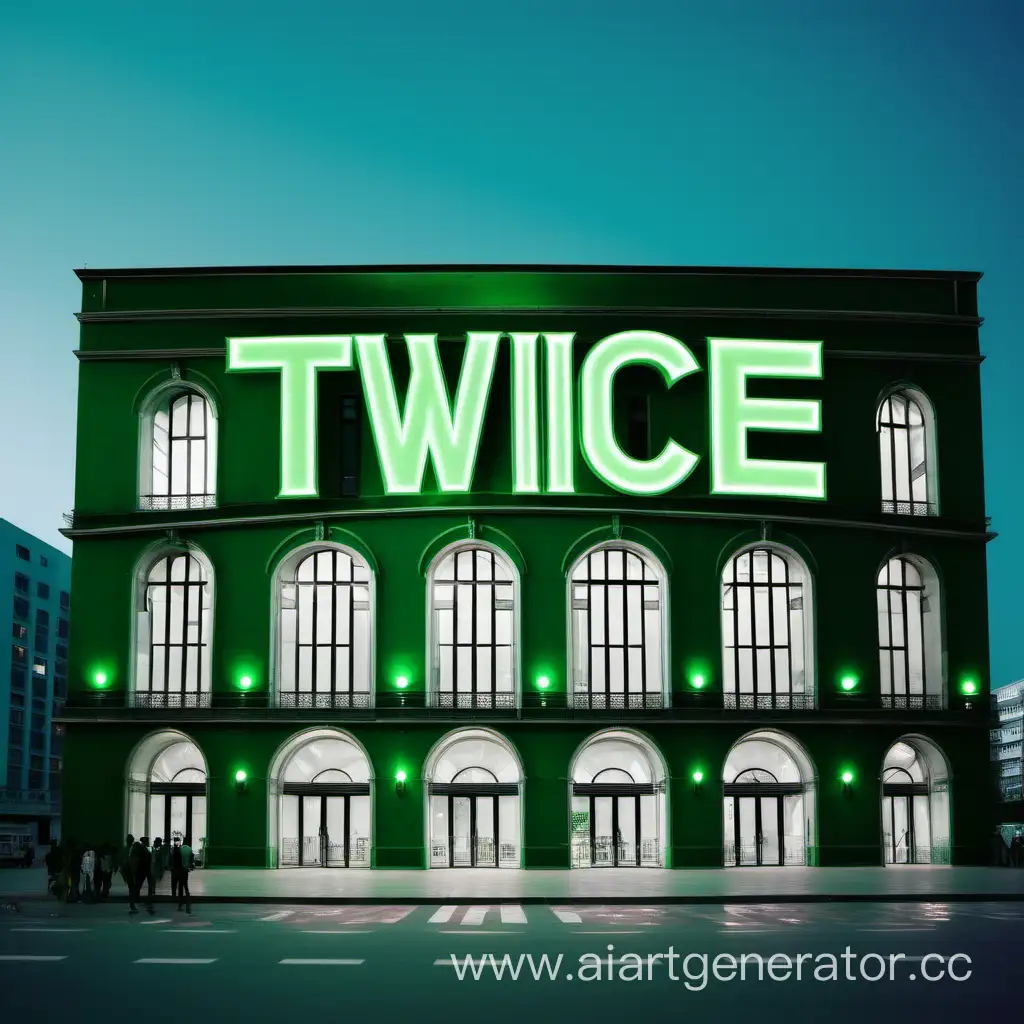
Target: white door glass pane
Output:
[(580, 832), (486, 852), (770, 830), (626, 838), (336, 828), (888, 839), (603, 836), (922, 830), (747, 810), (311, 853), (179, 817), (461, 831), (289, 829), (794, 829), (650, 827), (359, 831), (901, 829), (157, 812), (729, 831), (439, 831), (198, 826)]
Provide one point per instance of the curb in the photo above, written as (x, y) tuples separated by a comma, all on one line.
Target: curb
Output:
[(565, 899)]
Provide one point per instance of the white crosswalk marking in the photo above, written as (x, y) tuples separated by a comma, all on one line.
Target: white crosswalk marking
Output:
[(325, 963), (157, 920), (62, 931), (279, 916), (567, 916), (475, 915), (38, 959), (173, 960), (512, 914), (443, 916)]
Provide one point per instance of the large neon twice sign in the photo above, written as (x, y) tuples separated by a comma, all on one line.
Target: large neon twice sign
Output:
[(430, 423)]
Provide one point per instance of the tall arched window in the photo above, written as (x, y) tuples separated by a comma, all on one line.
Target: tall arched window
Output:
[(173, 632), (906, 448), (324, 647), (472, 591), (909, 637), (617, 603), (766, 634), (178, 452)]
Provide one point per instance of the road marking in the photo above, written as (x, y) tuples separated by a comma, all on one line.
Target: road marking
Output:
[(337, 931), (202, 931), (617, 931), (158, 920), (279, 916), (39, 959), (324, 963), (568, 916), (442, 916), (62, 931), (896, 929), (477, 931), (475, 915), (512, 914), (173, 960)]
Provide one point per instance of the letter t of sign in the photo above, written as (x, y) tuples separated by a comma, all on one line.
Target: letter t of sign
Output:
[(297, 359)]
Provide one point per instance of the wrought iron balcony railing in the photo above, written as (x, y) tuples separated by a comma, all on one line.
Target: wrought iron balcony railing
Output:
[(912, 701), (768, 701), (176, 502), (910, 508)]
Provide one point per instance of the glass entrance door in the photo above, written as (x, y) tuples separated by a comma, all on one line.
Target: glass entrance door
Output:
[(758, 830), (474, 838), (614, 831), (179, 814), (324, 831), (898, 829)]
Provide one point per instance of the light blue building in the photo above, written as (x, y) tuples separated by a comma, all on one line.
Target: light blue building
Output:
[(35, 586), (1007, 739)]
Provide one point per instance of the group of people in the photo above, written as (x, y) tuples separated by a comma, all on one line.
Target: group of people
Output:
[(76, 872)]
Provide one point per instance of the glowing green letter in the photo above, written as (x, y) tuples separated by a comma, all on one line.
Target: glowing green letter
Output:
[(428, 423), (731, 362), (525, 463), (298, 360), (597, 379), (559, 408)]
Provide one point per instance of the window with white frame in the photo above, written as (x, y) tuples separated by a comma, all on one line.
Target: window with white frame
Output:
[(765, 655), (472, 591), (909, 644), (906, 454), (173, 633), (325, 631), (617, 638), (179, 453)]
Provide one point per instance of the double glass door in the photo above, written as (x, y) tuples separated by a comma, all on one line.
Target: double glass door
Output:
[(474, 830), (330, 831), (179, 814), (905, 827), (758, 830)]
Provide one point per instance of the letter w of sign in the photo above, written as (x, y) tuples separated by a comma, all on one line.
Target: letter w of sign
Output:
[(428, 423)]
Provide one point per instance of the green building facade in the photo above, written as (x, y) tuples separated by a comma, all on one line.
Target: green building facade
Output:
[(702, 584)]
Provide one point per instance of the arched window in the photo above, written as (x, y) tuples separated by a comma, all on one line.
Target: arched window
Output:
[(617, 602), (915, 803), (909, 640), (906, 448), (766, 630), (472, 592), (324, 643), (173, 632), (178, 452)]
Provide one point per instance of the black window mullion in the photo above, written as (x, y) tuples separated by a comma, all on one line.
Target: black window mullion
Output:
[(314, 627), (494, 645), (298, 633), (607, 638), (186, 588), (188, 446), (334, 624), (168, 595), (455, 628), (771, 626), (643, 628), (352, 625), (754, 664), (789, 628)]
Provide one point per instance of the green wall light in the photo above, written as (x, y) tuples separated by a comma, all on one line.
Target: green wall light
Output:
[(847, 777), (401, 682), (697, 681), (698, 777), (400, 778), (543, 682), (240, 776), (245, 682), (848, 682), (100, 679), (969, 687)]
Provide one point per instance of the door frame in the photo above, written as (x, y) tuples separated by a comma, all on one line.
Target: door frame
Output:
[(472, 790), (890, 790), (325, 789), (780, 790)]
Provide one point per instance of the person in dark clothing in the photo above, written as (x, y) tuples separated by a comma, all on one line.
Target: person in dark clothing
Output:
[(1016, 850), (139, 862), (181, 864), (107, 858), (30, 855), (52, 861)]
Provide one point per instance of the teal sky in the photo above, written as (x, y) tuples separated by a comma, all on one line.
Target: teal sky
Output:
[(856, 134)]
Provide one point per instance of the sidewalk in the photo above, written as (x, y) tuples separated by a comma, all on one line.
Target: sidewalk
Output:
[(600, 885)]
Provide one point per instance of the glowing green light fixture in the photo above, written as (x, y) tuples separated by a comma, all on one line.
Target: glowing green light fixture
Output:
[(848, 683), (402, 682), (543, 682)]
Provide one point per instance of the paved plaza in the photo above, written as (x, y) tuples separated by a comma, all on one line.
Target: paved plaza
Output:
[(476, 885)]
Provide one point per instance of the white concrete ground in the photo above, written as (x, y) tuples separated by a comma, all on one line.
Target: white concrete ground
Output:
[(761, 884)]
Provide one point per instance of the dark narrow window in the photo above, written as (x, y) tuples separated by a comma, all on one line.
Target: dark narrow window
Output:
[(350, 445), (638, 427), (23, 553)]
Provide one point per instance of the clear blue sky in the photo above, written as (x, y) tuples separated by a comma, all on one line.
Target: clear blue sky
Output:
[(773, 132)]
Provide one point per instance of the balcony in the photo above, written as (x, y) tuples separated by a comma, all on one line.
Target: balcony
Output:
[(910, 508), (912, 701)]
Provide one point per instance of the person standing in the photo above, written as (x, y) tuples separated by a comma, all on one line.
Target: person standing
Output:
[(87, 873), (106, 869), (139, 861), (184, 864), (156, 871)]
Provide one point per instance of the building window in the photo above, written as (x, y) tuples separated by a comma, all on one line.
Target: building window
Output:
[(43, 561), (23, 553), (179, 453), (62, 629), (62, 652), (39, 666), (18, 677), (765, 638), (173, 633), (18, 631), (19, 653), (617, 603), (60, 685), (21, 583), (906, 448), (43, 591), (21, 608), (42, 643), (325, 636), (909, 639), (42, 619), (472, 597), (65, 600)]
